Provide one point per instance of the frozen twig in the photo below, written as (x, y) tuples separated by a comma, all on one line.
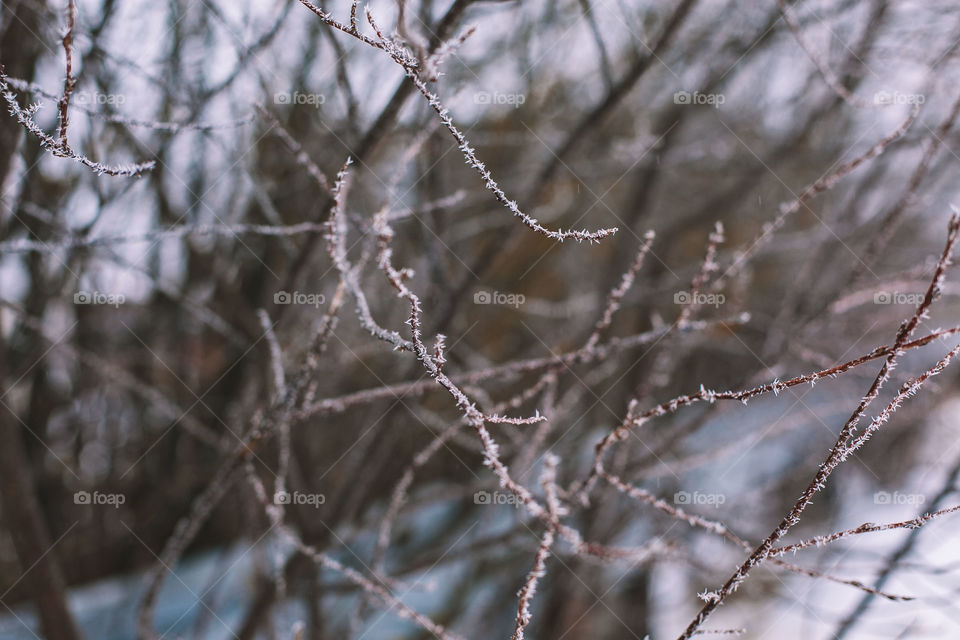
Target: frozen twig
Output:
[(60, 147), (548, 481), (745, 395), (707, 266), (718, 528), (867, 527), (411, 66), (847, 441)]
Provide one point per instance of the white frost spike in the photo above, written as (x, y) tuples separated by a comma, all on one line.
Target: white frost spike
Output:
[(709, 596)]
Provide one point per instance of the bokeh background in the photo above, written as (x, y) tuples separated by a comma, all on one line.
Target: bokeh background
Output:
[(134, 358)]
